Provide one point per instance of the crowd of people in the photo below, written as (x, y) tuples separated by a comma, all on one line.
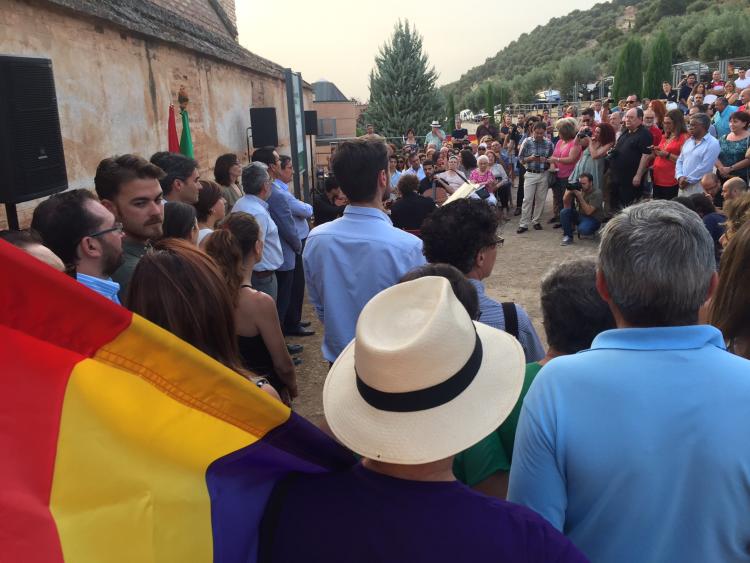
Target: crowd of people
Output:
[(595, 163), (623, 439)]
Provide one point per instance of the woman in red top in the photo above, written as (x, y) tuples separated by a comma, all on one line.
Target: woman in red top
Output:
[(666, 155)]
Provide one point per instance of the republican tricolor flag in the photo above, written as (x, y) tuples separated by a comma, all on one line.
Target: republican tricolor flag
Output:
[(121, 443)]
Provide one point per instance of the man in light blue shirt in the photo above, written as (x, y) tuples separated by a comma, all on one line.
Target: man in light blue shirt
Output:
[(638, 448), (722, 115), (349, 260), (394, 173), (86, 237), (698, 155), (415, 166), (281, 213), (257, 185), (436, 136)]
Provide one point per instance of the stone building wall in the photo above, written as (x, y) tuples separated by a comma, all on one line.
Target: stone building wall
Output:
[(114, 87)]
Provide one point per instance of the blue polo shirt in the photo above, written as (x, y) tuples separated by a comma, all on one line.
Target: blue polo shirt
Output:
[(639, 448)]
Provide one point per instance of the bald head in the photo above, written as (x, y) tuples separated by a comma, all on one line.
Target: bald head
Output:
[(710, 184), (733, 188), (745, 96)]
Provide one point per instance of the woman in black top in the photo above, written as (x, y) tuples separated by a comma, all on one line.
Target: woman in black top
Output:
[(236, 247)]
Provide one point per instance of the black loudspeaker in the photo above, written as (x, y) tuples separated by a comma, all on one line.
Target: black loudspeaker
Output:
[(31, 149), (263, 122), (311, 122)]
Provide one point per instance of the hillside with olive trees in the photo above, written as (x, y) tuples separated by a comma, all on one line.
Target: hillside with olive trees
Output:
[(584, 46)]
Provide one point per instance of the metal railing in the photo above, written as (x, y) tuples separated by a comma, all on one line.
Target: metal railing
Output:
[(704, 69)]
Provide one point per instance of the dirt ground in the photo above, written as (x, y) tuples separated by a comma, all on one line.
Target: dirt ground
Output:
[(521, 263)]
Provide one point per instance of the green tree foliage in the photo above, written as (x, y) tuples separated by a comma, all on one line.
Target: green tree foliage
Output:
[(659, 66), (575, 68), (450, 119), (706, 29), (629, 74), (502, 96), (402, 85), (489, 103)]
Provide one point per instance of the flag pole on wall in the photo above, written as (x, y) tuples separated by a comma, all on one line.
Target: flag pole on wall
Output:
[(186, 141), (174, 142)]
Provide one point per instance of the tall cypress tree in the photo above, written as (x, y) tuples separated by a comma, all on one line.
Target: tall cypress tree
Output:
[(659, 66), (489, 103), (450, 119), (629, 74), (402, 85)]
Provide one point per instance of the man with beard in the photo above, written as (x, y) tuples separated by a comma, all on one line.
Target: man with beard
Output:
[(86, 237), (128, 186)]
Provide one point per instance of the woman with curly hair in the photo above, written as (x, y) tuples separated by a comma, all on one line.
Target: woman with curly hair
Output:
[(737, 211), (730, 306)]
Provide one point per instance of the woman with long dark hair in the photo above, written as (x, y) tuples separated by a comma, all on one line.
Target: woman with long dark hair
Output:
[(180, 288), (237, 247)]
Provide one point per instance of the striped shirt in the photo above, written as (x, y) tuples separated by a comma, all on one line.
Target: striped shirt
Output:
[(532, 147), (491, 313)]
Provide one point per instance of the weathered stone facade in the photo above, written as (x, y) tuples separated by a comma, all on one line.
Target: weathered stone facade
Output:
[(116, 76)]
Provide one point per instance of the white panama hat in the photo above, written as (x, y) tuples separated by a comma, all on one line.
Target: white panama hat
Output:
[(421, 381), (435, 123)]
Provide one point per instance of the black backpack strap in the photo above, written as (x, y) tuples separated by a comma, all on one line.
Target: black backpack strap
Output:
[(270, 521), (511, 319)]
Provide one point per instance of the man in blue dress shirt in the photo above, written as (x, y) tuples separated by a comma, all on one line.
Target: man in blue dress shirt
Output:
[(257, 185), (86, 237), (292, 324), (638, 448), (281, 213), (349, 260)]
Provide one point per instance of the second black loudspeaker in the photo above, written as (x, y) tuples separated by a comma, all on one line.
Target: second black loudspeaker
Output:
[(263, 122), (311, 122)]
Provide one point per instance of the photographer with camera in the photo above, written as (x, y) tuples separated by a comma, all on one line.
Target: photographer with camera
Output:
[(590, 210)]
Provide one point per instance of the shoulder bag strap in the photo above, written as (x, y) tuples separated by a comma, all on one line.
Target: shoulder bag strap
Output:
[(511, 319)]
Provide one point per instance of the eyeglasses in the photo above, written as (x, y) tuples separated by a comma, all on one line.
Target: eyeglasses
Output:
[(116, 227), (630, 102)]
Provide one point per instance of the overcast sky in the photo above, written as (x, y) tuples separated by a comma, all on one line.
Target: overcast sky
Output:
[(337, 40)]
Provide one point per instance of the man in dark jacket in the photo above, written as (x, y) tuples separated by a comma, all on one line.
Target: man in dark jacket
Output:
[(409, 211)]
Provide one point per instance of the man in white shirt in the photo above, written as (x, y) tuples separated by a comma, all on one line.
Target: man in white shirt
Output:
[(257, 185), (742, 81), (415, 166)]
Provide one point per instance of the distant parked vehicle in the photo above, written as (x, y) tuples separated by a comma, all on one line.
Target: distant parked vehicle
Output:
[(548, 97), (593, 90), (466, 115), (480, 116)]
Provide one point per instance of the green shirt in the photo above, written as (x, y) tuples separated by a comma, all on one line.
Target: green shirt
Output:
[(493, 453), (132, 251)]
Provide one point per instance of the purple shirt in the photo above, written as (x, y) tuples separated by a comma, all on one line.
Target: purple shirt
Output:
[(363, 516)]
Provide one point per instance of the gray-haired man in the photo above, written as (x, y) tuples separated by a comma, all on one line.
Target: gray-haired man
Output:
[(698, 155), (637, 448), (257, 185)]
